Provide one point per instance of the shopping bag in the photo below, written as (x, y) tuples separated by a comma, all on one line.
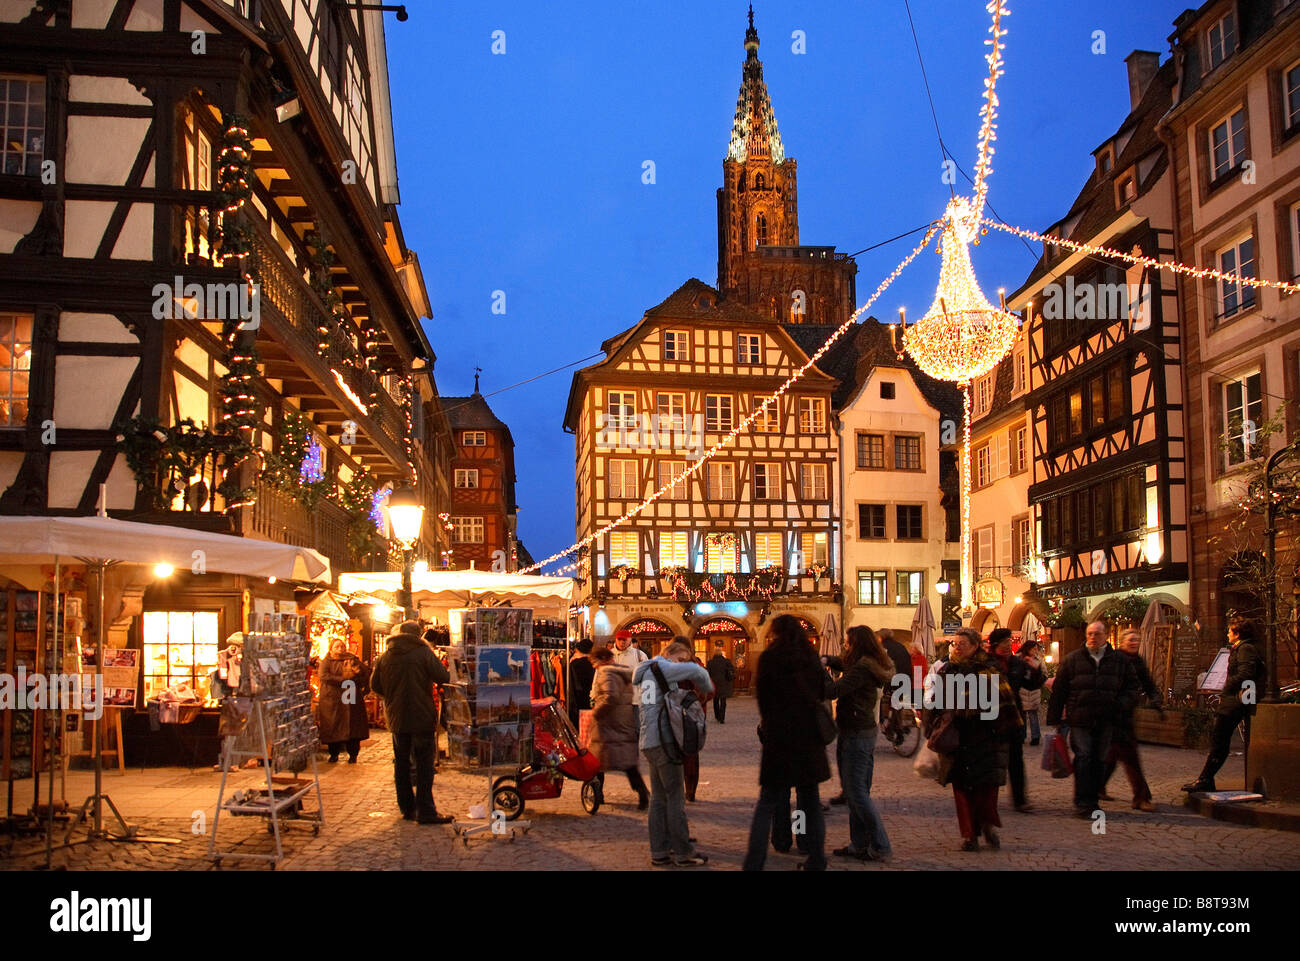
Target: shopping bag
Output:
[(930, 764), (1056, 756), (585, 720)]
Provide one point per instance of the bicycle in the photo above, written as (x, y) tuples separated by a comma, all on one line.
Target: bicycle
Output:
[(902, 728)]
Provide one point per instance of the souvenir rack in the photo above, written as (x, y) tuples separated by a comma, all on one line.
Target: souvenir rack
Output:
[(269, 719)]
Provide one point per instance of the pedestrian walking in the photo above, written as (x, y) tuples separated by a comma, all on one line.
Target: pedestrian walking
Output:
[(341, 708), (405, 676), (582, 672), (613, 728), (626, 653), (1093, 690), (1247, 674), (670, 837), (791, 685), (1021, 677), (1032, 701), (721, 672), (973, 699), (691, 762), (1123, 746), (867, 672)]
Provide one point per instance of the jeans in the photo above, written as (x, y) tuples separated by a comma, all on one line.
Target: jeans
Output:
[(669, 833), (1032, 718), (422, 746), (1221, 740), (720, 709), (1091, 745), (770, 800), (783, 836), (866, 829)]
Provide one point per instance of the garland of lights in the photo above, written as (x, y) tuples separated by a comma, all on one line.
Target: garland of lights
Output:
[(760, 410), (989, 112)]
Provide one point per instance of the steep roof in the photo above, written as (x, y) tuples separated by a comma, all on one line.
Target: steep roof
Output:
[(472, 413), (753, 131)]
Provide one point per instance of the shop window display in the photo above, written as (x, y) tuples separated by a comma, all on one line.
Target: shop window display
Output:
[(179, 646)]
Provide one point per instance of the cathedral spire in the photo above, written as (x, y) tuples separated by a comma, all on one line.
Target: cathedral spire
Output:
[(753, 131)]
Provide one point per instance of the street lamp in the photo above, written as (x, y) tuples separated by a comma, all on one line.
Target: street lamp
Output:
[(942, 586), (406, 515)]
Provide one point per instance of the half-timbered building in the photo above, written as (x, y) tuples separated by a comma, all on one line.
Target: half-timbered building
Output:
[(484, 514), (1108, 428)]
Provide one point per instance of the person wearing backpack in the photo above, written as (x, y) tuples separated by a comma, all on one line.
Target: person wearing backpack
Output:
[(671, 727)]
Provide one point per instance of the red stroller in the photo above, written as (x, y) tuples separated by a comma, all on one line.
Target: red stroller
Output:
[(556, 756)]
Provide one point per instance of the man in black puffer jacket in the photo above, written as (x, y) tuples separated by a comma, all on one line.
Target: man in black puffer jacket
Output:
[(1095, 688), (404, 676), (1247, 672)]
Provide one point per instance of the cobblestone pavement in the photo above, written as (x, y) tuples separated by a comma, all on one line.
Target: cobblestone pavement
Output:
[(363, 828)]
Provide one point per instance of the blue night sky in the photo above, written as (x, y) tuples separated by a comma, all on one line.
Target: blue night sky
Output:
[(522, 172)]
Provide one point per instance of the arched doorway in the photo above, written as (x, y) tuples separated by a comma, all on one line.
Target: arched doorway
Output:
[(984, 620), (734, 639), (650, 634)]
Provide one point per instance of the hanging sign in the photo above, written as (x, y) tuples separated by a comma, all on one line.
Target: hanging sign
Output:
[(989, 592)]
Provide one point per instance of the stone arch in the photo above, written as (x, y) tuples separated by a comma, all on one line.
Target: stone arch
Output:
[(645, 635), (984, 620)]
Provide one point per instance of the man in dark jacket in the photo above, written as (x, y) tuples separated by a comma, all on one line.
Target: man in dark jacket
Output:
[(405, 676), (721, 672), (1022, 677), (1094, 688), (582, 673), (1123, 748), (1247, 673)]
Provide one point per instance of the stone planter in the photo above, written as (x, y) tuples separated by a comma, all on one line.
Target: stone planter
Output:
[(1179, 728), (1273, 758)]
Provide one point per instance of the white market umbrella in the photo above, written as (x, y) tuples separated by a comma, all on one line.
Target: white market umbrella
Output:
[(923, 628), (829, 644)]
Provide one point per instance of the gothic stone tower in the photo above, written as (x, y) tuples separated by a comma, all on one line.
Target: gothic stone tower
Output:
[(760, 262)]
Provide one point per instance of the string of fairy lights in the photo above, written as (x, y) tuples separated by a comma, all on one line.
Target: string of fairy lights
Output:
[(962, 335)]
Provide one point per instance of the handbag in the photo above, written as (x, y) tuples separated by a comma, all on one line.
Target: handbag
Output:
[(931, 764), (944, 737), (825, 723)]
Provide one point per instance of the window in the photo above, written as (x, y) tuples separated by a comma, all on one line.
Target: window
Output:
[(983, 394), (768, 421), (332, 46), (1221, 40), (474, 438), (620, 410), (721, 481), (1097, 400), (674, 549), (668, 469), (1243, 411), (907, 453), (1115, 379), (467, 530), (909, 522), (196, 174), (767, 482), (872, 588), (1291, 97), (1020, 449), (983, 475), (760, 230), (466, 478), (813, 545), (672, 412), (717, 413), (909, 586), (1227, 145), (15, 368), (812, 482), (179, 646), (1295, 240), (749, 348), (769, 550), (1021, 542), (1019, 378), (871, 521), (720, 554), (623, 480), (676, 345), (812, 415), (983, 550), (1238, 259), (871, 451), (624, 549), (887, 390), (22, 112), (1076, 412)]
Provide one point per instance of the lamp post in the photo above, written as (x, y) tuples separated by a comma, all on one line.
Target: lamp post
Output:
[(406, 515)]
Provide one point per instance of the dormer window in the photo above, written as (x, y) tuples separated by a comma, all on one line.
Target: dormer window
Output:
[(1104, 163), (1221, 40), (1127, 190)]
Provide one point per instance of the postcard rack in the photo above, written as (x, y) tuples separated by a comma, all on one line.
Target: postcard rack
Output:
[(269, 719)]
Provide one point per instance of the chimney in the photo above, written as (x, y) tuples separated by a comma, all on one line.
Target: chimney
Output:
[(1142, 67)]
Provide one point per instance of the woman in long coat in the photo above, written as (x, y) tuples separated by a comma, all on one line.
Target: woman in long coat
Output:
[(791, 685), (614, 730), (979, 764), (341, 709)]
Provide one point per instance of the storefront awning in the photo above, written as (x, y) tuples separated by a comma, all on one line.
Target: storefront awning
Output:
[(34, 540), (462, 588)]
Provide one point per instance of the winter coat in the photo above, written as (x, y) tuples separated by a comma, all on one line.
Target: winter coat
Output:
[(858, 693), (983, 744), (722, 672), (613, 728), (1245, 663), (789, 692), (581, 673), (339, 721), (404, 676), (1091, 694), (1032, 698)]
